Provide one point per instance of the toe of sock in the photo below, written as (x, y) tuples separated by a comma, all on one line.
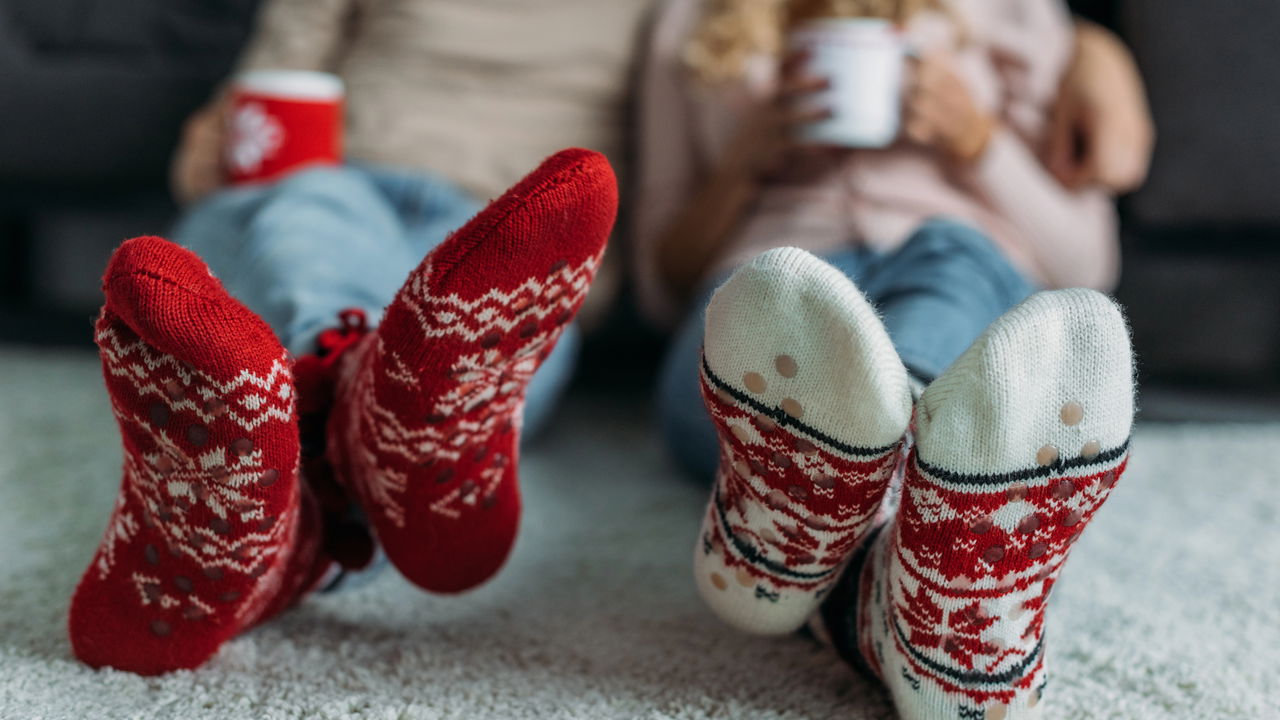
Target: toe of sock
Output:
[(166, 295), (562, 212), (1050, 381), (157, 259), (791, 331)]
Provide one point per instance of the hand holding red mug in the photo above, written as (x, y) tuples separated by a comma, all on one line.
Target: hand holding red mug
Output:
[(266, 124), (197, 168), (280, 121)]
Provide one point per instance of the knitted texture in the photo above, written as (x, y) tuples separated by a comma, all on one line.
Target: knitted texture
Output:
[(210, 533), (1018, 444), (810, 402), (426, 423)]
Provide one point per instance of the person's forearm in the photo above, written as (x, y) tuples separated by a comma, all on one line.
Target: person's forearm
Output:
[(1088, 32), (690, 244), (1071, 234), (1101, 130)]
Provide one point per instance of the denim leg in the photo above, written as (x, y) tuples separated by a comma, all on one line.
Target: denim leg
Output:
[(430, 208), (939, 291), (298, 251)]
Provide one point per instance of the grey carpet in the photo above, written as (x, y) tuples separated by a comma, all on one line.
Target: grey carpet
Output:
[(1169, 610)]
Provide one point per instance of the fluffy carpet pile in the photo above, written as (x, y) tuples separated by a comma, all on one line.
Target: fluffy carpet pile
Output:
[(1169, 610)]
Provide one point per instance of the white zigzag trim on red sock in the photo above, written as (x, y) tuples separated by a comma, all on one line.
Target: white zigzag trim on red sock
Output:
[(497, 310), (138, 361), (480, 378)]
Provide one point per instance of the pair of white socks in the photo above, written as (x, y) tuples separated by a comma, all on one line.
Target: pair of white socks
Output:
[(1015, 446)]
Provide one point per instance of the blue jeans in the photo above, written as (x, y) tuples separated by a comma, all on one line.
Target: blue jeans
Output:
[(936, 294), (324, 239)]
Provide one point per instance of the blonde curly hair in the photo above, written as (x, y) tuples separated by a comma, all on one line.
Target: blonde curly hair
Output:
[(733, 30)]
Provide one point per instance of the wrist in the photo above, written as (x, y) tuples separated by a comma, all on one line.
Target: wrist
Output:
[(971, 146)]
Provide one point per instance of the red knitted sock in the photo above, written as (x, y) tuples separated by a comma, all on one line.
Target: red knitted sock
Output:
[(209, 534), (426, 423)]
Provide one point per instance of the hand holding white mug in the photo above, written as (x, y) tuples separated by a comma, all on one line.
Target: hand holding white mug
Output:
[(769, 139), (941, 113), (863, 60)]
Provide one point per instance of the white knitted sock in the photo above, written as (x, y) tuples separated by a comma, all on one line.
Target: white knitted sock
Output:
[(1018, 443), (811, 403)]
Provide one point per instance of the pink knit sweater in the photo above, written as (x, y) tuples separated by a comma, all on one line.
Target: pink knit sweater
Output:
[(1011, 53)]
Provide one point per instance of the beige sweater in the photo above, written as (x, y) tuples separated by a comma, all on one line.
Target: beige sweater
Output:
[(478, 91)]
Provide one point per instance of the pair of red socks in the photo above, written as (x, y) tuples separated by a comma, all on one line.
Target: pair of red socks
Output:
[(215, 530)]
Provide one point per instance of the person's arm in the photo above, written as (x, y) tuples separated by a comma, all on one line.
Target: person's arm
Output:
[(1101, 131), (689, 244), (689, 201), (667, 166), (1070, 234), (1068, 224), (289, 34)]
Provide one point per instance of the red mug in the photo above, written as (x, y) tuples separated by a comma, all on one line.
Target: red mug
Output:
[(283, 120)]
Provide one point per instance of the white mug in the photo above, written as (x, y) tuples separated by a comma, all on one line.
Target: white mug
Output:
[(864, 61)]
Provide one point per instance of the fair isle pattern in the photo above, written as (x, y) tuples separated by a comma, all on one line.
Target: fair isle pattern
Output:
[(255, 399), (427, 411), (205, 538), (958, 587), (200, 506), (498, 312), (483, 392), (790, 503), (120, 529)]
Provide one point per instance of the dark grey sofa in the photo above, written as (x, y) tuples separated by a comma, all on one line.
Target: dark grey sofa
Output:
[(1202, 238), (92, 96)]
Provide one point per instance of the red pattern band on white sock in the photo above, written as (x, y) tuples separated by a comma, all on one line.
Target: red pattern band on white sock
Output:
[(789, 504), (964, 575)]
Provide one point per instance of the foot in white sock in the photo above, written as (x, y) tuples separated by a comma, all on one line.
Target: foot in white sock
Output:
[(811, 402), (1018, 444)]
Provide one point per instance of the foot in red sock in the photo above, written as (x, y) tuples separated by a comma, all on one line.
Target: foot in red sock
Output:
[(209, 534), (425, 429)]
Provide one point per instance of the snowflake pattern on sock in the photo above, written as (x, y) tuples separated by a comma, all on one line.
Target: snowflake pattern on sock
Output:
[(204, 539), (957, 588), (482, 397)]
